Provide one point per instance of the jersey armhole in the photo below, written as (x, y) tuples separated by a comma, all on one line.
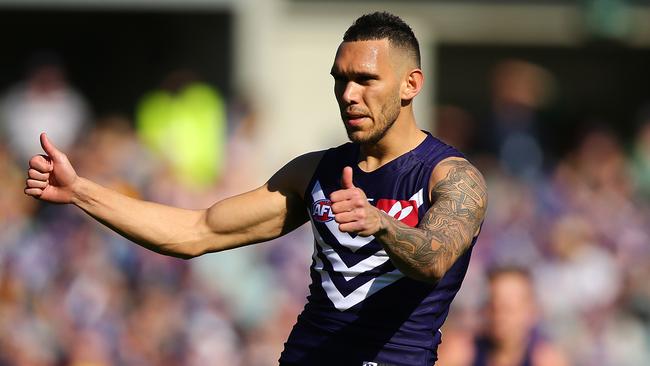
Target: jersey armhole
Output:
[(326, 154)]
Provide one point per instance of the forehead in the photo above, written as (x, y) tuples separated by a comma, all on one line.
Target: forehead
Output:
[(510, 285), (361, 56)]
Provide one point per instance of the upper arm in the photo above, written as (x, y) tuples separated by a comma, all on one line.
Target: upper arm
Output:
[(267, 212), (459, 195)]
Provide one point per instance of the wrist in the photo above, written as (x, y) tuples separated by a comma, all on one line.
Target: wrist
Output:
[(78, 191), (382, 226)]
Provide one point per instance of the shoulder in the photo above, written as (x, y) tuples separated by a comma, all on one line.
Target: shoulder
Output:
[(432, 151), (457, 167), (306, 163), (462, 183), (296, 174)]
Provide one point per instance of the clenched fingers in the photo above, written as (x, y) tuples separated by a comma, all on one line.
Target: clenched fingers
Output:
[(33, 183), (35, 174), (41, 163), (34, 192), (353, 227), (343, 206), (347, 216), (347, 194)]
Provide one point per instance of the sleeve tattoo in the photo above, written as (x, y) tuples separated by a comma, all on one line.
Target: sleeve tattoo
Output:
[(446, 230)]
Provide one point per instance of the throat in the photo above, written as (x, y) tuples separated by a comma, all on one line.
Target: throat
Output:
[(374, 156)]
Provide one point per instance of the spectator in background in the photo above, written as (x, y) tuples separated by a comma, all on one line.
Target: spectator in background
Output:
[(641, 156), (44, 101), (184, 122), (511, 336), (519, 90), (456, 127)]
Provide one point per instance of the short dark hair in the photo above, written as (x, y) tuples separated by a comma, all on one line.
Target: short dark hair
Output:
[(381, 25), (509, 269)]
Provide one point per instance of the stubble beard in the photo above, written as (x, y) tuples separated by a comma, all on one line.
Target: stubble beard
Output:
[(381, 125)]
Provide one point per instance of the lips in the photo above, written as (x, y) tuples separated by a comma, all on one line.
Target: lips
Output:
[(354, 119)]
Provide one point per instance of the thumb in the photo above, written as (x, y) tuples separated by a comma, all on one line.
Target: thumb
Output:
[(49, 148), (346, 178)]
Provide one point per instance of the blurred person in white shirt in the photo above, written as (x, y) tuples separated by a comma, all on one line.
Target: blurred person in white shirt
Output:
[(44, 101)]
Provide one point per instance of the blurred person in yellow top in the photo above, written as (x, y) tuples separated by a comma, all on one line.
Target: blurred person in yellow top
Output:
[(184, 122)]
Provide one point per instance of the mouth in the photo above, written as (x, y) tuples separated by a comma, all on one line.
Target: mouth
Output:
[(354, 120)]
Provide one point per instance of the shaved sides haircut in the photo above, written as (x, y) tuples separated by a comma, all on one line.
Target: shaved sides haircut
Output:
[(383, 25)]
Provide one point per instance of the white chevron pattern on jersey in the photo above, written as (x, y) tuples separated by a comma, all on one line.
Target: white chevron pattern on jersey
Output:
[(359, 294)]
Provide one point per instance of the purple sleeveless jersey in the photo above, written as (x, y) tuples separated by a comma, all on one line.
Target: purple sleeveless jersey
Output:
[(362, 310)]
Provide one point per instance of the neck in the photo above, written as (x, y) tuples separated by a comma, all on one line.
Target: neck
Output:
[(508, 353), (401, 138)]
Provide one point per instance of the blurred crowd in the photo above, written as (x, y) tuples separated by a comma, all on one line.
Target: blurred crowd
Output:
[(559, 275)]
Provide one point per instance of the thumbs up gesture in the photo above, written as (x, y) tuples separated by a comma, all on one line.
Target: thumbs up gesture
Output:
[(51, 176), (351, 209)]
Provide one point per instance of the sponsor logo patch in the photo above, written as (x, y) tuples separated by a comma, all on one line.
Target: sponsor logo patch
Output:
[(402, 210)]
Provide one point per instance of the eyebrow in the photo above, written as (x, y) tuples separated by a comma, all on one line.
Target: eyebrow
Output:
[(354, 74)]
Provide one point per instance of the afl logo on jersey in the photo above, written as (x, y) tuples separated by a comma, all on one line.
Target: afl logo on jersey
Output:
[(321, 211)]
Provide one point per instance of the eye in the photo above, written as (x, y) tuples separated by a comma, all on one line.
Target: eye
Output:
[(339, 78), (365, 80)]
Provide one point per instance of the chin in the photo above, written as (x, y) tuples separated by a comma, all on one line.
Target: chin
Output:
[(367, 137), (360, 138), (357, 137)]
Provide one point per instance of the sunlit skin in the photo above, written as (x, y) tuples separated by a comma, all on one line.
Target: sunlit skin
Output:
[(374, 85)]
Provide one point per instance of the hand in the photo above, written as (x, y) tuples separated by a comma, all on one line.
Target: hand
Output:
[(50, 177), (351, 209)]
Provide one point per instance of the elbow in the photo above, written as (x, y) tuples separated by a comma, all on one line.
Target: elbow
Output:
[(180, 251), (193, 251), (431, 274), (435, 275), (428, 275), (186, 256), (432, 277)]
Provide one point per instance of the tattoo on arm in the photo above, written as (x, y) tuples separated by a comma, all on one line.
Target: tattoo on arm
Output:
[(446, 230)]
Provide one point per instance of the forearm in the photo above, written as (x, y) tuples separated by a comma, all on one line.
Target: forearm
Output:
[(446, 230), (163, 229), (414, 251), (259, 215)]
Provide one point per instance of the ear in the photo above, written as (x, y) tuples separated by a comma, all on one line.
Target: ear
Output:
[(412, 84)]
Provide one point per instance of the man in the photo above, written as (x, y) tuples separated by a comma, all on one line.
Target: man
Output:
[(395, 213), (511, 334), (44, 100)]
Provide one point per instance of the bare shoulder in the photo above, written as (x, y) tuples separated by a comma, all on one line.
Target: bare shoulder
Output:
[(460, 184), (296, 174)]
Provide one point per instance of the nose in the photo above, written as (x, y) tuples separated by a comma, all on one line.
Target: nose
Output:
[(351, 93)]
